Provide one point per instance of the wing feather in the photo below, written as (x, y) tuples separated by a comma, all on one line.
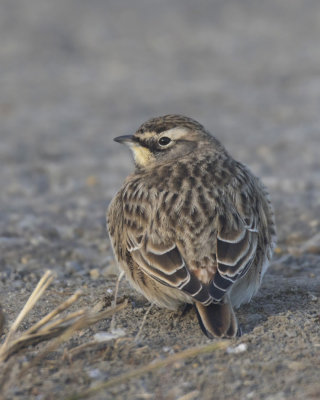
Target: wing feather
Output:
[(163, 262), (159, 257), (236, 247)]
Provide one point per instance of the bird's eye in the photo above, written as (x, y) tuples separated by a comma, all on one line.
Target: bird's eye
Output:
[(164, 140)]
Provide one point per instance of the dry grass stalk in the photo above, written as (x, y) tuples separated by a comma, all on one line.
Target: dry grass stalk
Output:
[(66, 304), (151, 367), (86, 319), (137, 338), (49, 326), (116, 290), (35, 296)]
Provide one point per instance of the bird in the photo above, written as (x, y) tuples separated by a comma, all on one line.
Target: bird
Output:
[(191, 225)]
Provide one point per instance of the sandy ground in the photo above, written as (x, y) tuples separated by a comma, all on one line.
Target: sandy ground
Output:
[(73, 75)]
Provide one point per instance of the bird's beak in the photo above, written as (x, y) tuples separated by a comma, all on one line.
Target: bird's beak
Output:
[(127, 139), (142, 155)]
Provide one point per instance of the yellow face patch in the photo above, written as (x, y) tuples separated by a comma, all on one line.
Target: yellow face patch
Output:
[(142, 155)]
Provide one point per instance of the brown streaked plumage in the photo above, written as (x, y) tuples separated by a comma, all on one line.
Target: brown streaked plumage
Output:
[(191, 224)]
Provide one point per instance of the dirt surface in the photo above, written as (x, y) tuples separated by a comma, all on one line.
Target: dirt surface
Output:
[(73, 75)]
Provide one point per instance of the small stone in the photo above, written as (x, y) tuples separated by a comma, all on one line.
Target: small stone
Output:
[(25, 259), (106, 336), (314, 223), (95, 374), (178, 365), (291, 333), (295, 365), (91, 181), (312, 297), (242, 347), (94, 273)]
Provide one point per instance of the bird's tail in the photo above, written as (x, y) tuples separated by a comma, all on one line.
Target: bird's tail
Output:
[(217, 320)]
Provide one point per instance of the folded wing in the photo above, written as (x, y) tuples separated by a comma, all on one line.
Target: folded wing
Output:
[(236, 247), (164, 263)]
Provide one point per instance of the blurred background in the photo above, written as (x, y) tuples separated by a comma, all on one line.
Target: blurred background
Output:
[(75, 73)]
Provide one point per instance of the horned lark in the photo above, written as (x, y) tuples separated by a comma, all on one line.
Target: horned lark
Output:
[(191, 224)]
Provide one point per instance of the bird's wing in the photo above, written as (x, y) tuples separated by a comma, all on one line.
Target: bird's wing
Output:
[(158, 255), (162, 260), (237, 239)]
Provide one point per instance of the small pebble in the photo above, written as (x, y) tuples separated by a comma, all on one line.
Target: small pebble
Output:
[(278, 250), (296, 365), (94, 273), (25, 259), (94, 373), (241, 348), (106, 336), (312, 297), (91, 180)]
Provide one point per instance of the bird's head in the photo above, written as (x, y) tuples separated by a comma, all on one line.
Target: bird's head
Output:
[(166, 138)]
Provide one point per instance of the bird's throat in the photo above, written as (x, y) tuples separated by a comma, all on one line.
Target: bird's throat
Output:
[(142, 155)]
